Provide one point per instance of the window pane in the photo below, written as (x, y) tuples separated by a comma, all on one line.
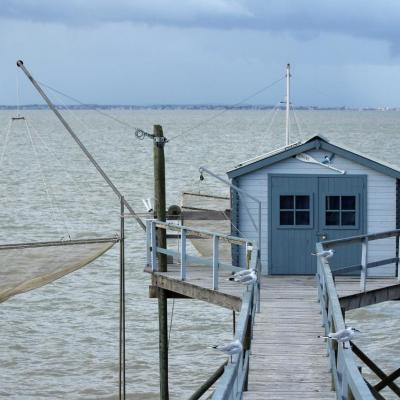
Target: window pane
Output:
[(332, 218), (332, 202), (286, 202), (348, 202), (286, 218), (303, 202), (302, 217), (348, 218)]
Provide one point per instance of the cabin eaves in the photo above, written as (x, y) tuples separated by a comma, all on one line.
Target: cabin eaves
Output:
[(315, 142)]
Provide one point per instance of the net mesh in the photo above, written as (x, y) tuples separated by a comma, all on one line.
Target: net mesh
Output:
[(209, 203), (24, 267)]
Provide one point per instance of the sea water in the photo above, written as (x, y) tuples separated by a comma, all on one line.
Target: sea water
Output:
[(61, 341)]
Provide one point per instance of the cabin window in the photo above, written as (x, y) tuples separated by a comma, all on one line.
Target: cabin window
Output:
[(294, 210), (340, 210)]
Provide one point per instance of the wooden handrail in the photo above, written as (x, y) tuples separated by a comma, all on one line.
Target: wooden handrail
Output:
[(346, 376), (234, 380), (202, 233), (208, 383), (359, 238)]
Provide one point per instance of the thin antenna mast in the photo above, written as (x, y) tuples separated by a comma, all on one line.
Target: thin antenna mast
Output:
[(287, 103)]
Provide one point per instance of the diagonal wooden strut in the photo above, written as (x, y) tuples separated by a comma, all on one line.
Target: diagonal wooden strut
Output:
[(374, 368)]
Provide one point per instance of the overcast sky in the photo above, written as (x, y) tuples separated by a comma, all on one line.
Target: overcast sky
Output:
[(203, 51)]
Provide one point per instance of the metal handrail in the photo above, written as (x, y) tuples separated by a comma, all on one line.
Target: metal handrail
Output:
[(233, 382), (347, 379)]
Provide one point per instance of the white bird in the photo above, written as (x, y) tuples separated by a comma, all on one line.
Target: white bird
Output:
[(325, 253), (147, 204), (230, 348), (241, 273), (245, 279), (342, 336)]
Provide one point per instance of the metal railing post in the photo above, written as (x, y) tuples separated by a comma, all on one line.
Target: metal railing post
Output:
[(183, 254), (215, 261)]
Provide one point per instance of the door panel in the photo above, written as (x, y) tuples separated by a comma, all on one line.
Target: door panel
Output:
[(308, 209), (293, 224), (341, 214)]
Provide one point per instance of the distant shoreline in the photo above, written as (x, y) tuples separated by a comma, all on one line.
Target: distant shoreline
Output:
[(189, 107)]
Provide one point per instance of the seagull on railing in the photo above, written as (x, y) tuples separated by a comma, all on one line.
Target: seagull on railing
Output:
[(240, 274), (245, 279), (230, 349), (342, 336), (324, 254)]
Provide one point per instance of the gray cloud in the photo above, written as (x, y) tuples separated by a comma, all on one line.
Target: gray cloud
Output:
[(304, 18)]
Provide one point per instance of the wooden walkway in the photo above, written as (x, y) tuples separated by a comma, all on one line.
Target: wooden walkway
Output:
[(287, 360)]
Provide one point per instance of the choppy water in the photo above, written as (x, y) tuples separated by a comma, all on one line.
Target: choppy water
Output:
[(60, 341)]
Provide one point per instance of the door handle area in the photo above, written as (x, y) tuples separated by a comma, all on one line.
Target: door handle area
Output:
[(322, 236)]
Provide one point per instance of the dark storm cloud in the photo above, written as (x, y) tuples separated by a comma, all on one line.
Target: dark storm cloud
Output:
[(362, 18), (303, 18)]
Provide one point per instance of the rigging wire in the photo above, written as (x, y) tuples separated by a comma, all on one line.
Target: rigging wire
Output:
[(46, 188), (5, 145), (297, 121), (170, 322), (275, 112), (103, 113), (201, 123), (66, 172)]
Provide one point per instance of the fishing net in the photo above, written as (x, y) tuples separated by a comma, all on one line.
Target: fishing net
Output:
[(211, 213), (24, 267)]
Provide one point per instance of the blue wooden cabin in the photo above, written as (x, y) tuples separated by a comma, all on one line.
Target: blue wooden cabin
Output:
[(304, 202)]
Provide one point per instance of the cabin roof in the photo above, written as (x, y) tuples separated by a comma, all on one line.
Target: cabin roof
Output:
[(314, 142)]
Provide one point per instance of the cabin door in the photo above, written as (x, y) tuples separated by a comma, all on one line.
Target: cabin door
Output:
[(307, 209)]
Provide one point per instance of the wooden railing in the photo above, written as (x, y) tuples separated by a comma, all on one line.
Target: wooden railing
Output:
[(365, 265), (233, 381), (235, 377), (184, 258), (346, 377)]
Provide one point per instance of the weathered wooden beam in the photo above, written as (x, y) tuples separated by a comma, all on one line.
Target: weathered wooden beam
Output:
[(352, 268), (196, 292), (389, 379), (159, 213), (369, 297), (153, 294), (373, 367), (208, 383), (374, 392), (358, 239), (204, 215)]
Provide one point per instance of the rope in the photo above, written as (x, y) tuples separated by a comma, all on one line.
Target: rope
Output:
[(49, 198), (170, 322), (95, 109), (297, 123), (5, 143), (275, 112), (67, 174), (228, 109)]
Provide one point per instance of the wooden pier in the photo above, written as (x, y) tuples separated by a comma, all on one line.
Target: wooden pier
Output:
[(283, 358)]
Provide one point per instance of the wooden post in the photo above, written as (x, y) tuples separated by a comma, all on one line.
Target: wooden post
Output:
[(183, 254), (364, 264), (215, 262), (397, 256), (159, 213)]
